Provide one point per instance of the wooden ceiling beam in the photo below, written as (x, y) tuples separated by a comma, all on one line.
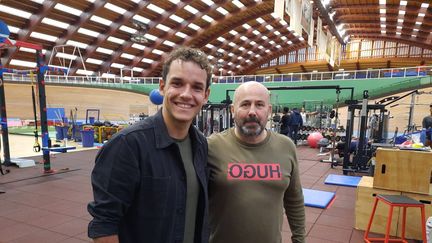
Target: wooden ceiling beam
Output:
[(31, 25), (215, 32), (113, 28)]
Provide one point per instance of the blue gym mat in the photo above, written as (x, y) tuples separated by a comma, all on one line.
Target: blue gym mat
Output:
[(317, 199), (342, 180)]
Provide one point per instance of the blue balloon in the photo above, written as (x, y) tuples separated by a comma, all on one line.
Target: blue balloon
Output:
[(155, 97)]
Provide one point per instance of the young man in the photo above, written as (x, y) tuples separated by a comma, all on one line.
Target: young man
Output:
[(254, 176), (149, 181)]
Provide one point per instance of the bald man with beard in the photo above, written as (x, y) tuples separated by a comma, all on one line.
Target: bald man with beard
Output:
[(254, 176)]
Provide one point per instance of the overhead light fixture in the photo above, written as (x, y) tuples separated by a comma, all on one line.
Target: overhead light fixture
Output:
[(403, 3)]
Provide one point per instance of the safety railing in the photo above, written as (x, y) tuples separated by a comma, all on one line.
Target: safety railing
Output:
[(419, 71)]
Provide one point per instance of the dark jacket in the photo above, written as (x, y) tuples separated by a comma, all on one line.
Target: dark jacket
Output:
[(139, 186), (295, 119)]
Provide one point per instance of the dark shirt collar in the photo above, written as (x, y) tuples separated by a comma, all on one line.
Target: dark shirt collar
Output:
[(162, 137)]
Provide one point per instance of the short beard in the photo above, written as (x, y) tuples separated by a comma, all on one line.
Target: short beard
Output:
[(247, 132)]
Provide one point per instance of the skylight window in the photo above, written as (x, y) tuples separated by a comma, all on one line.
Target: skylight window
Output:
[(13, 29), (233, 32), (25, 49), (209, 46), (141, 19), (248, 60), (222, 11), (115, 8), (276, 32), (382, 1), (181, 34), (137, 69), (207, 18), (264, 37), (399, 27), (418, 23), (267, 51), (415, 29), (104, 50), (68, 9), (302, 39), (284, 38), (210, 57), (243, 38), (16, 62), (117, 65), (163, 27), (278, 46), (169, 43), (77, 44), (55, 23), (14, 11), (94, 61), (42, 36), (238, 4), (383, 31), (425, 5), (238, 66), (127, 56), (289, 42), (66, 56), (401, 12), (414, 36), (208, 2), (421, 14), (403, 3), (174, 1), (382, 11), (383, 25), (260, 20), (191, 9), (400, 20), (88, 32), (257, 55), (194, 26), (155, 8), (150, 37), (138, 46), (283, 22), (84, 72), (38, 1), (383, 19), (272, 42), (176, 18), (398, 33), (232, 44), (146, 60), (246, 26), (100, 20), (115, 40), (128, 29), (230, 54), (240, 57), (269, 27), (256, 32), (221, 39)]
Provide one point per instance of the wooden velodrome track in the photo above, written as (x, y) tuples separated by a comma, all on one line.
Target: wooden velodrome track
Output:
[(113, 105), (119, 105)]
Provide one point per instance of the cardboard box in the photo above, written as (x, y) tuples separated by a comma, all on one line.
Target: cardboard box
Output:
[(364, 204), (403, 170)]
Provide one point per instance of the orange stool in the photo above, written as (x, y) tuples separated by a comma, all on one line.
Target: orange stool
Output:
[(395, 201)]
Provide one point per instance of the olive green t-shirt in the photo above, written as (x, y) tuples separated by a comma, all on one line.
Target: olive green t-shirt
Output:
[(192, 189), (250, 185)]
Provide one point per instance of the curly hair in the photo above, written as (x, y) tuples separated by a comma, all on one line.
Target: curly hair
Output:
[(188, 54)]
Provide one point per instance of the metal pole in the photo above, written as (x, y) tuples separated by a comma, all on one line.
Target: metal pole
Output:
[(43, 112), (3, 115)]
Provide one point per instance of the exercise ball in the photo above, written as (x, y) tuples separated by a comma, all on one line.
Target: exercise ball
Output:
[(155, 97), (313, 139)]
